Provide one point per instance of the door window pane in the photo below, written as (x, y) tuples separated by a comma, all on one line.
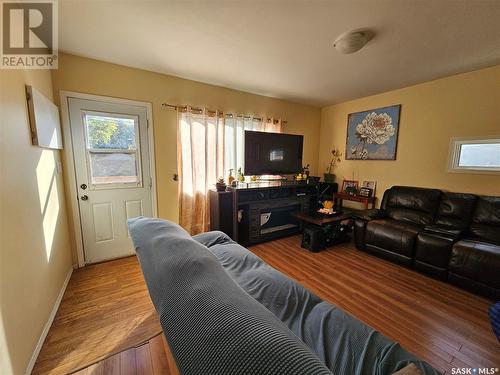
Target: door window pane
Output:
[(113, 149), (108, 168), (110, 132)]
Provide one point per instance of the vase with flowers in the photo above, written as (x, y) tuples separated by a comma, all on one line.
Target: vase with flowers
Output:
[(336, 158)]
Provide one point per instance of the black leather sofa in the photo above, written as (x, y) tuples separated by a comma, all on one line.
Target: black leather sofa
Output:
[(451, 236)]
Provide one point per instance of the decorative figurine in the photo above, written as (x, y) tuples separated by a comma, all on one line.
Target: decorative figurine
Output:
[(241, 177), (220, 185), (230, 179)]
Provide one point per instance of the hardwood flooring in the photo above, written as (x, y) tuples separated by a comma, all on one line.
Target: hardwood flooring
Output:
[(106, 308), (149, 358), (442, 324)]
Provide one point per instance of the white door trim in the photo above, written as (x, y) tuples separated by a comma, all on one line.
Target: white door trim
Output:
[(69, 165)]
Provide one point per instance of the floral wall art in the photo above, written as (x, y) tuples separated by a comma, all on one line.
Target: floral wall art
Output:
[(373, 134)]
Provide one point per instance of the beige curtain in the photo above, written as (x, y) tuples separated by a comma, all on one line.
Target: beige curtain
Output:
[(208, 145), (200, 156)]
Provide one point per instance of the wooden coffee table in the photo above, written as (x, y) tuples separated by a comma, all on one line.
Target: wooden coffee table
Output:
[(324, 230), (319, 219)]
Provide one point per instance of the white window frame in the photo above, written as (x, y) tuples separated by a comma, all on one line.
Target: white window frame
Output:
[(454, 155), (136, 152)]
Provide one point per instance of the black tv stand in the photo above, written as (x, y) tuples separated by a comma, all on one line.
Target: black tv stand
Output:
[(261, 211)]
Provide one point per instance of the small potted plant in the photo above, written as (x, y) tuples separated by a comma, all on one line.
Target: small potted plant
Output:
[(336, 158), (220, 185), (305, 172)]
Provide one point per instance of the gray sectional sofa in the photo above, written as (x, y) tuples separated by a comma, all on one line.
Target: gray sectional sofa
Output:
[(225, 311)]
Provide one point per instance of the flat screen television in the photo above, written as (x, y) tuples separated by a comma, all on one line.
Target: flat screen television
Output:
[(272, 153)]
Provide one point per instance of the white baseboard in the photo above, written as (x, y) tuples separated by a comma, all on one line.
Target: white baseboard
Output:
[(47, 326)]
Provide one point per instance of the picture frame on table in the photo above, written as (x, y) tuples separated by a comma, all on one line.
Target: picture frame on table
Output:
[(366, 192), (350, 187), (370, 185)]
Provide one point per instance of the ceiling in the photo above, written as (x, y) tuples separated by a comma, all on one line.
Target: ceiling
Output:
[(284, 49)]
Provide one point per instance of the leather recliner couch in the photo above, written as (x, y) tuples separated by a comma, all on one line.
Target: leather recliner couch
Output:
[(451, 236)]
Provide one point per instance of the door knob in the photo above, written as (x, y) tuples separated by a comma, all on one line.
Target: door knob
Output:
[(83, 186), (84, 198)]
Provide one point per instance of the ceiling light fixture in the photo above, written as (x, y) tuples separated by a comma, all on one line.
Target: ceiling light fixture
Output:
[(351, 41)]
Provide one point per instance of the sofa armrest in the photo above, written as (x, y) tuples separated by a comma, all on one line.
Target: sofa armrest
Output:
[(445, 231), (361, 219), (212, 238), (369, 215), (359, 233)]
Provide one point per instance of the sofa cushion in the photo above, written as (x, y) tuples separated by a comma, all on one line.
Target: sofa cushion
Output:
[(455, 210), (411, 204), (211, 324), (443, 230), (478, 261), (486, 220), (433, 249), (343, 343), (396, 236)]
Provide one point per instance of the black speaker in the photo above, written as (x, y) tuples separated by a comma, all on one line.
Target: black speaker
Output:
[(313, 238)]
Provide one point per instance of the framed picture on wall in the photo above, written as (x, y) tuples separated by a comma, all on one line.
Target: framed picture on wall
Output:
[(44, 120), (373, 134)]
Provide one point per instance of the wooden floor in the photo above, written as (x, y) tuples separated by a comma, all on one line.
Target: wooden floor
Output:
[(147, 359), (106, 309), (439, 323)]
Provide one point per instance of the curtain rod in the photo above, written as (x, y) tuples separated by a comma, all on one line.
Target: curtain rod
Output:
[(176, 107)]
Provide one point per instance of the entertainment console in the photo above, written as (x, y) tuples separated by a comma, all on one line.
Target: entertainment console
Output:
[(260, 211)]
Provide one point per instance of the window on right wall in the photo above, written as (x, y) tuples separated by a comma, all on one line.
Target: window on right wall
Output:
[(480, 155)]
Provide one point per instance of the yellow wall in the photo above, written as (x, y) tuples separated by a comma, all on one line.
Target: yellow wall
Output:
[(431, 113), (96, 77), (35, 255)]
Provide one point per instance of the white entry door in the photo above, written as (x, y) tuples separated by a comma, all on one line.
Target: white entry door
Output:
[(111, 154)]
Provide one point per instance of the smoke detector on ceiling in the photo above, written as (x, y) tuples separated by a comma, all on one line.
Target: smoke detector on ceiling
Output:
[(351, 41)]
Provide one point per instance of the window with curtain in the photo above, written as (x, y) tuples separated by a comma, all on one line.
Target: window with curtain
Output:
[(209, 144)]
